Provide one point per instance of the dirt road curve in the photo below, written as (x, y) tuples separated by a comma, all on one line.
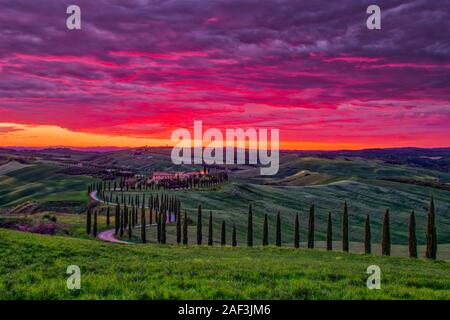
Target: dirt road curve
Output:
[(108, 235)]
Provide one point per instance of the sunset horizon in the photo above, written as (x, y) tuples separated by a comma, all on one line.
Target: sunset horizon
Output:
[(42, 136)]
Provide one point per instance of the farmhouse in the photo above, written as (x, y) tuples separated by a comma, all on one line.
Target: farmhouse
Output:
[(162, 175)]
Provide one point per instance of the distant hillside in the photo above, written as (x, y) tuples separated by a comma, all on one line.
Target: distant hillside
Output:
[(139, 158), (429, 158)]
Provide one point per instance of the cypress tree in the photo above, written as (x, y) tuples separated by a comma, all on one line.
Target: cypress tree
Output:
[(122, 214), (223, 237), (94, 232), (431, 241), (367, 237), (158, 228), (234, 240), (117, 219), (265, 231), (210, 230), (250, 226), (311, 228), (178, 228), (185, 228), (130, 228), (163, 229), (412, 239), (296, 232), (125, 217), (434, 253), (329, 233), (278, 231), (345, 228), (107, 216), (199, 225), (143, 234), (88, 221), (386, 236)]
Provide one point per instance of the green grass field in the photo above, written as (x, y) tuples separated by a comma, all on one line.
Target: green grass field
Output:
[(41, 182), (34, 267)]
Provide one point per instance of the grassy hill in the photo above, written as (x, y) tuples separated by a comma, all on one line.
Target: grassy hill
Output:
[(34, 267), (41, 182), (342, 168)]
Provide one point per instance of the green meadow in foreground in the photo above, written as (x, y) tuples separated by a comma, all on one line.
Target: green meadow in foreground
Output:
[(34, 267)]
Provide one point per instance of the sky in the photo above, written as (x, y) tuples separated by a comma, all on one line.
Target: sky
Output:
[(139, 69)]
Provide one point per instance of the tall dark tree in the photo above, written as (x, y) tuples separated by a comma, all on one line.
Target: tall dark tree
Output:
[(158, 227), (431, 238), (94, 231), (250, 226), (125, 217), (223, 237), (278, 231), (265, 241), (130, 227), (150, 209), (345, 243), (329, 233), (234, 239), (107, 217), (117, 219), (367, 237), (210, 230), (178, 221), (88, 221), (143, 231), (185, 228), (412, 239), (199, 225), (386, 235), (122, 222), (311, 228), (163, 229), (296, 232)]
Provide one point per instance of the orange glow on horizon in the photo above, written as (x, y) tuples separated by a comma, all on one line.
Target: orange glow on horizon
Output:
[(21, 135)]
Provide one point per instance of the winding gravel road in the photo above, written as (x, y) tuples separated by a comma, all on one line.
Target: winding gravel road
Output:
[(108, 235)]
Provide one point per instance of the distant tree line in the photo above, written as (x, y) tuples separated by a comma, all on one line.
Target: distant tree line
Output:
[(105, 188)]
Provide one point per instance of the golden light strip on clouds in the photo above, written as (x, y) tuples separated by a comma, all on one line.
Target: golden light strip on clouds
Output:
[(13, 134)]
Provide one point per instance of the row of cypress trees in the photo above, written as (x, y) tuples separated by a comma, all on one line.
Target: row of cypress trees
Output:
[(162, 207), (125, 219), (164, 211), (431, 236), (91, 227), (141, 183), (223, 229)]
